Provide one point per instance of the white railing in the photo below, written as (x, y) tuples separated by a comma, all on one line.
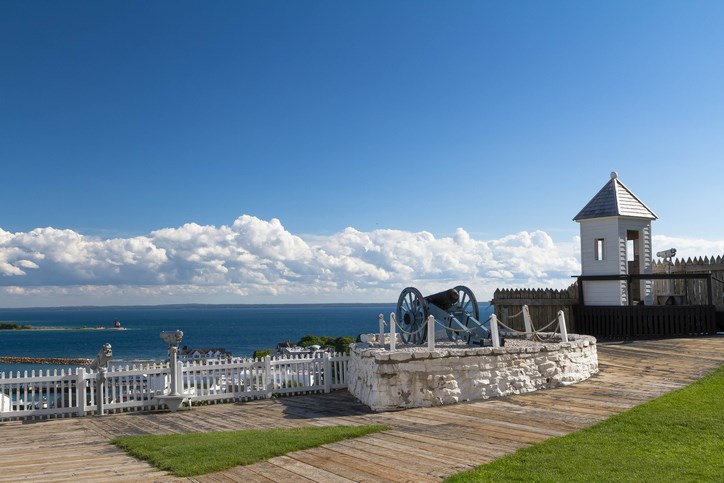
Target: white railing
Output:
[(55, 394)]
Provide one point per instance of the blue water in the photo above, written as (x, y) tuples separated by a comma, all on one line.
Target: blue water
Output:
[(238, 329)]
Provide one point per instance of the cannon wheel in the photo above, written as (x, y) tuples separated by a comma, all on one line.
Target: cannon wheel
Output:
[(468, 304), (412, 312)]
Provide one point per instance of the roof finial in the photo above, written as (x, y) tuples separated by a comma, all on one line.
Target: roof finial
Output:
[(614, 175)]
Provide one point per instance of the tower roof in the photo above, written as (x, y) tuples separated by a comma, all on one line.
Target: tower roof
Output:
[(615, 199)]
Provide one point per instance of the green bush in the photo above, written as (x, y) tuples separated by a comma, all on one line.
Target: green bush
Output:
[(339, 344), (262, 353)]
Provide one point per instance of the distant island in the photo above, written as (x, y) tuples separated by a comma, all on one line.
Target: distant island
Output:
[(11, 326)]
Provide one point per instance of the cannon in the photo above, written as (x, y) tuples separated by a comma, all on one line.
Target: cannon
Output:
[(456, 309)]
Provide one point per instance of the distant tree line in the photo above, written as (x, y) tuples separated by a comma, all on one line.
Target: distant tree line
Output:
[(10, 326)]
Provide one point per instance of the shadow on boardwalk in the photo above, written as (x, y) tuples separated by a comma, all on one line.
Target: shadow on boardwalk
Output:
[(424, 444)]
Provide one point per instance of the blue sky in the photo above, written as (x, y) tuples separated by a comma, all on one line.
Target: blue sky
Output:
[(391, 120)]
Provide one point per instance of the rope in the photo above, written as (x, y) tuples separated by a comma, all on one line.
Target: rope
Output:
[(468, 329), (535, 332), (552, 334), (544, 328), (516, 315), (410, 333), (510, 328)]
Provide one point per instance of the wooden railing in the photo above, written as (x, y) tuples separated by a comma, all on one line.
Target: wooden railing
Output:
[(81, 392)]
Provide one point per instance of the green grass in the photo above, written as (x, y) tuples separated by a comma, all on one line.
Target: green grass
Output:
[(194, 454), (676, 437)]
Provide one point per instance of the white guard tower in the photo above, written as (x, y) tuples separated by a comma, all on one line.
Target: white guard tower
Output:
[(615, 241)]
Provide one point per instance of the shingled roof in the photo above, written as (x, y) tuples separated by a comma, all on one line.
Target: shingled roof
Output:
[(615, 199)]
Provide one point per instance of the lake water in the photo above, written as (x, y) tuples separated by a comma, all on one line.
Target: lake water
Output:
[(238, 329)]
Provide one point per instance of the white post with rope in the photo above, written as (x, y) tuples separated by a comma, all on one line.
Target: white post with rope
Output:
[(528, 323), (431, 333), (381, 320), (562, 326), (393, 334), (494, 330)]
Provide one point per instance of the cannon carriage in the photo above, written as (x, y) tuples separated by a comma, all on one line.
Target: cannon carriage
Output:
[(455, 310)]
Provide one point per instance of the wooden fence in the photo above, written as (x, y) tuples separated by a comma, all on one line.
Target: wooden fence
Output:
[(691, 292), (543, 305), (695, 287), (641, 321), (79, 392)]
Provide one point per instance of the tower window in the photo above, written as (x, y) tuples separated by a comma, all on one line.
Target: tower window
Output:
[(599, 252)]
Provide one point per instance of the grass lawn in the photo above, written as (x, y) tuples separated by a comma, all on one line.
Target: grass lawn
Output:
[(199, 453), (676, 437)]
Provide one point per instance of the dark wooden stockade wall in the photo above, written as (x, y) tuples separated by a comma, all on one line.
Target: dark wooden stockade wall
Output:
[(700, 284), (640, 321), (543, 305)]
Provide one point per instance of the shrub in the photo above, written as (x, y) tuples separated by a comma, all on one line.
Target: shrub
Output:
[(262, 353)]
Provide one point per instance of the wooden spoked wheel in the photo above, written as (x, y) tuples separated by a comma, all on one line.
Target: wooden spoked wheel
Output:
[(412, 312), (467, 304)]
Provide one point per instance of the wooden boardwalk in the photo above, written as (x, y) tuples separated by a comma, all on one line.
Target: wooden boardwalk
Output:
[(424, 444)]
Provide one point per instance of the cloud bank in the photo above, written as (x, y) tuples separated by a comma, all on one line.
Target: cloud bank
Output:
[(259, 261)]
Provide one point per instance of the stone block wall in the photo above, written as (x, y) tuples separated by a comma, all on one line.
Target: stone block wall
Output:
[(411, 377)]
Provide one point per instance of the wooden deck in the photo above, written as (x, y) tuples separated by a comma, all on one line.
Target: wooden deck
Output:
[(424, 444)]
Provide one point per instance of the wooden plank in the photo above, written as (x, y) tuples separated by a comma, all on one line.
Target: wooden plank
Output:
[(425, 444), (313, 473), (341, 465), (276, 473), (396, 472), (417, 453)]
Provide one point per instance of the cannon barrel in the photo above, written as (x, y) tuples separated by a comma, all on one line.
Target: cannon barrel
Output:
[(444, 299)]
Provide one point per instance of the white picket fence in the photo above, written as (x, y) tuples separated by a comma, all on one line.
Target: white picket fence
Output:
[(135, 388)]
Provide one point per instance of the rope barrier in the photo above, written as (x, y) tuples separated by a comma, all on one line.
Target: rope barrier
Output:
[(407, 332), (468, 330), (534, 333)]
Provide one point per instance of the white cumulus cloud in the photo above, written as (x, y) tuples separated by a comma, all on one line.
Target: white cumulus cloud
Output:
[(254, 260)]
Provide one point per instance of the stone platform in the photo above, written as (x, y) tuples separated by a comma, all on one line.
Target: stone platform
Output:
[(413, 376)]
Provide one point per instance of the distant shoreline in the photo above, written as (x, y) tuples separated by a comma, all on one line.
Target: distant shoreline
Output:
[(58, 361), (73, 328), (42, 328), (194, 306)]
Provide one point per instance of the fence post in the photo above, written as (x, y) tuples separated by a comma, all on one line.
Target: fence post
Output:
[(393, 331), (562, 325), (268, 380), (430, 333), (528, 323), (494, 330), (173, 369), (328, 372), (80, 394), (381, 320), (100, 390), (180, 378)]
